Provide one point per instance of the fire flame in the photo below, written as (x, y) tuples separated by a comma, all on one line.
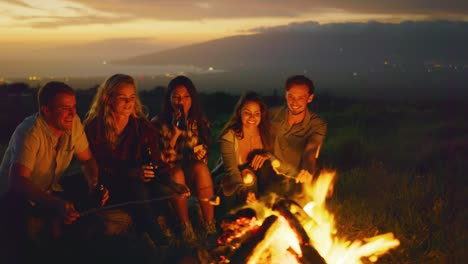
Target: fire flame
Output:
[(319, 225)]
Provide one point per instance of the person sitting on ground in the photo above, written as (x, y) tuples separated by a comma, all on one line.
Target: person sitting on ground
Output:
[(299, 133), (184, 137), (120, 135), (246, 150), (39, 152)]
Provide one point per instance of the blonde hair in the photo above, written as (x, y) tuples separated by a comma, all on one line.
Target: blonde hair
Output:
[(101, 108)]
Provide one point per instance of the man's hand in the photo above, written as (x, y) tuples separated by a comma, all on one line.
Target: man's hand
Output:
[(304, 177), (101, 193), (66, 210), (251, 198), (105, 196)]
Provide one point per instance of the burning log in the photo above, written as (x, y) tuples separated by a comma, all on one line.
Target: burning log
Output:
[(247, 248), (296, 234), (310, 254)]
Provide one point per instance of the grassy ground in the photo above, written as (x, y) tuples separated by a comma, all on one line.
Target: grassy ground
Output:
[(401, 168)]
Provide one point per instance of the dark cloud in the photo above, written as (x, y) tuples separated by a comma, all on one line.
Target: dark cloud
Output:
[(185, 9), (404, 27)]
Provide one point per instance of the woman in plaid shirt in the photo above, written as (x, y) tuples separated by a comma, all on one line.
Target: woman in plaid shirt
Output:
[(184, 134), (119, 134)]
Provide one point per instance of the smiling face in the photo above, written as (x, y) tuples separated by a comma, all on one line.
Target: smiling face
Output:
[(60, 113), (251, 115), (181, 97), (122, 100), (297, 98)]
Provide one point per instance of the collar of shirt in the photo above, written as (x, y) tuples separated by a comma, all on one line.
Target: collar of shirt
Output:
[(43, 125), (296, 127)]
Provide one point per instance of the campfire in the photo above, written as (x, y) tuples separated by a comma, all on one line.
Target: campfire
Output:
[(280, 230)]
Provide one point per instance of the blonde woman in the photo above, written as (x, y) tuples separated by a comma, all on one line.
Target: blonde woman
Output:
[(119, 135)]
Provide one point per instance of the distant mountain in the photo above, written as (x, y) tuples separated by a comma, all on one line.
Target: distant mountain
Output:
[(332, 47), (108, 49)]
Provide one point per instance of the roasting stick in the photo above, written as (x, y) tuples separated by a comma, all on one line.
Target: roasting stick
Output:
[(275, 164), (213, 200)]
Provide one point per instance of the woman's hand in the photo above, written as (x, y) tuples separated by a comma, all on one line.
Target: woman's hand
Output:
[(177, 133), (147, 173), (258, 160), (176, 115), (200, 152)]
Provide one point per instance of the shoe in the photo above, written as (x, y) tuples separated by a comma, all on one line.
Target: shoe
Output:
[(148, 241), (166, 231), (211, 234), (210, 227), (188, 235)]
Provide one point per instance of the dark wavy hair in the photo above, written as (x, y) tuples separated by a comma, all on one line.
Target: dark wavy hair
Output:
[(195, 113), (235, 122), (299, 80)]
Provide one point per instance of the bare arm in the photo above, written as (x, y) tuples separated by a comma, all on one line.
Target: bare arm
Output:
[(89, 167), (230, 157), (310, 156), (314, 143), (21, 184), (91, 172)]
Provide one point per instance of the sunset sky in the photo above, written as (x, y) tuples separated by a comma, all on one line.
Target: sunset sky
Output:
[(178, 22)]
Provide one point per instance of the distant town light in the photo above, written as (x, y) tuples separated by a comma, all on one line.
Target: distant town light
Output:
[(210, 68), (104, 62)]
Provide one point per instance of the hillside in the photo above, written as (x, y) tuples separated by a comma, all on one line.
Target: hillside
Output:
[(410, 46)]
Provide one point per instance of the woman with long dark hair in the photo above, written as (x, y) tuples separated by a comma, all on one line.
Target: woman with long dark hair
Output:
[(246, 146), (184, 138)]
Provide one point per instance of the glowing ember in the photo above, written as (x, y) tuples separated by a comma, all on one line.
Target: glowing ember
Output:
[(248, 179), (233, 232)]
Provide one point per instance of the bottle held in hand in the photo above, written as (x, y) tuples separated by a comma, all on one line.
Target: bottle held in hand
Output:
[(98, 194), (181, 121), (148, 160)]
